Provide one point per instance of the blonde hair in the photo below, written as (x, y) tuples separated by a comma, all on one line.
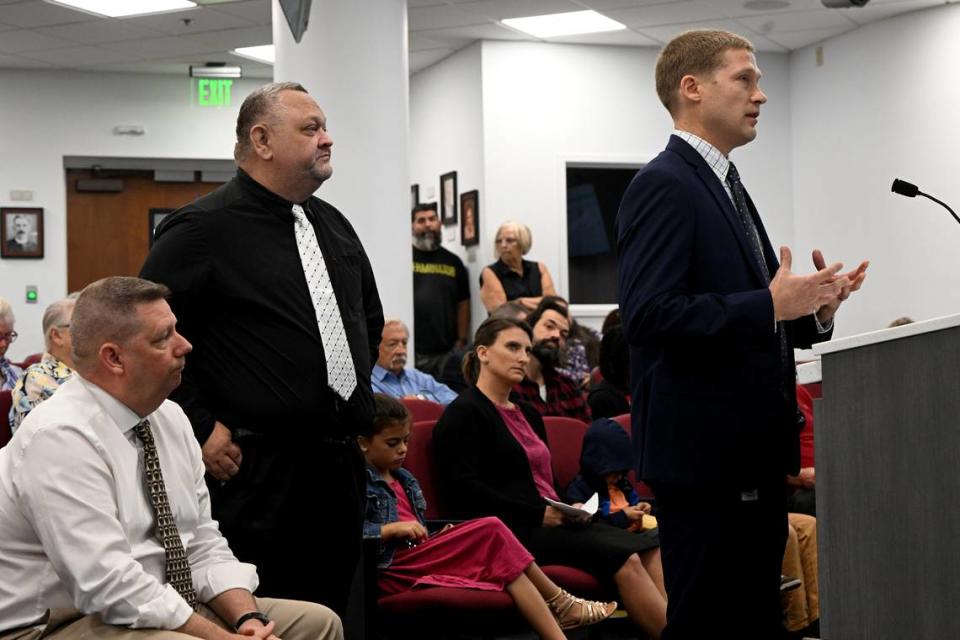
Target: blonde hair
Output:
[(524, 238), (695, 52)]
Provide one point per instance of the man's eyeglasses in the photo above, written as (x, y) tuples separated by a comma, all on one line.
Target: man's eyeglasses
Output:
[(9, 337)]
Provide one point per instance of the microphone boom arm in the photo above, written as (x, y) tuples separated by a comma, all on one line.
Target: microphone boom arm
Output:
[(941, 203)]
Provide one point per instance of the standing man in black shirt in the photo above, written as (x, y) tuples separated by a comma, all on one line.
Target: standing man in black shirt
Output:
[(275, 291), (441, 301)]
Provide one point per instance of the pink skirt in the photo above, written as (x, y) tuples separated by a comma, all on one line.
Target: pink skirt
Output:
[(477, 554)]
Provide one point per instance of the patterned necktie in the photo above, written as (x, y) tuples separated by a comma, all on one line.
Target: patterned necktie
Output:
[(177, 566), (341, 374), (753, 238), (743, 211)]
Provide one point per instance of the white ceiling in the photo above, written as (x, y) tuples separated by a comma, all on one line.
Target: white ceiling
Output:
[(37, 35)]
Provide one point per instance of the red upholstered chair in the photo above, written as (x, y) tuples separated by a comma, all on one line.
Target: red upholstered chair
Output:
[(624, 421), (422, 409), (5, 403), (565, 438), (420, 462)]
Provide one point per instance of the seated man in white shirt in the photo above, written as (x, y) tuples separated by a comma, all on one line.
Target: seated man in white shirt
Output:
[(392, 377), (81, 495)]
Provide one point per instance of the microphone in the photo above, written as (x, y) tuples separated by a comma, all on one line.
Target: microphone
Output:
[(908, 190)]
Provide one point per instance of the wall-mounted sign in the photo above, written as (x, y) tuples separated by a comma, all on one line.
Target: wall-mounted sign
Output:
[(214, 92)]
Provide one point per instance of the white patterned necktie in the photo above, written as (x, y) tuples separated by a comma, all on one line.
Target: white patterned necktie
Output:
[(341, 375), (177, 567)]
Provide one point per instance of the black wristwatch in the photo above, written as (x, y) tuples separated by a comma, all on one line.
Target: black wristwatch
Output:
[(253, 615)]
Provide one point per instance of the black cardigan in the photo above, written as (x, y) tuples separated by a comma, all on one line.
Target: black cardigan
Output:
[(482, 469)]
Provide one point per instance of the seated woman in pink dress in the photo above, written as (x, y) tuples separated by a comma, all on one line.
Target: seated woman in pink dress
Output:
[(478, 554)]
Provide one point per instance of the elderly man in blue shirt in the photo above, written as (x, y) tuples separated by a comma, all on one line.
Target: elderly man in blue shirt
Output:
[(391, 375)]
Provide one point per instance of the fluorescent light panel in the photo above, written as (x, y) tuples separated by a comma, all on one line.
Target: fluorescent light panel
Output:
[(125, 8), (264, 53), (564, 24)]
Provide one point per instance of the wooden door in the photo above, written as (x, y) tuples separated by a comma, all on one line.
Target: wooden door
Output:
[(108, 234)]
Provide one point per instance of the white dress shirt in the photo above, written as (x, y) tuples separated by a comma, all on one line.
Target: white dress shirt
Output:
[(76, 526)]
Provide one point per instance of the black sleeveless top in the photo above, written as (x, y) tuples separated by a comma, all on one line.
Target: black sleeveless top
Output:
[(516, 286)]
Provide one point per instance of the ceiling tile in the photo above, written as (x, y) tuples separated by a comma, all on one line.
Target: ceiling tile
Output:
[(231, 38), (666, 14), (799, 39), (500, 9), (665, 33), (873, 12), (462, 36), (765, 45), (253, 11), (151, 48), (625, 37), (606, 5), (78, 56), (797, 21), (99, 31), (438, 17), (424, 3), (26, 40), (201, 19), (420, 60), (41, 14), (16, 62), (421, 41), (7, 27)]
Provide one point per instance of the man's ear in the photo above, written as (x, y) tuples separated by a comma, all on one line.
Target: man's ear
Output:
[(260, 141), (111, 358), (690, 89)]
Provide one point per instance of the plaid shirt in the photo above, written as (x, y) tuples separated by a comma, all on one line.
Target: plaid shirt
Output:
[(564, 397)]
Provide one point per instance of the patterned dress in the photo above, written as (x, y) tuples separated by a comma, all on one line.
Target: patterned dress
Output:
[(37, 384)]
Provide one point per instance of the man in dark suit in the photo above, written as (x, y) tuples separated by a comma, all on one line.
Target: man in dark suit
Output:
[(712, 319)]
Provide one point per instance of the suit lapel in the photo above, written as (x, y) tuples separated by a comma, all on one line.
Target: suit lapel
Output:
[(716, 189)]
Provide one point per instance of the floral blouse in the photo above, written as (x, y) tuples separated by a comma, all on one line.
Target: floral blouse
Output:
[(37, 384)]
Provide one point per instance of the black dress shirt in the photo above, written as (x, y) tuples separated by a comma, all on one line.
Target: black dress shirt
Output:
[(241, 298)]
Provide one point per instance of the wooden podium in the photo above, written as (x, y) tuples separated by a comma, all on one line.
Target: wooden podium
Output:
[(888, 484)]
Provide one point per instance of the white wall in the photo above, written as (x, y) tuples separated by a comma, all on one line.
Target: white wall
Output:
[(883, 105), (446, 134), (546, 102), (46, 115)]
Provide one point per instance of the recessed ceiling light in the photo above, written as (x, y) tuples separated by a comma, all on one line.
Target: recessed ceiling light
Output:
[(765, 5), (125, 8), (564, 24), (264, 53)]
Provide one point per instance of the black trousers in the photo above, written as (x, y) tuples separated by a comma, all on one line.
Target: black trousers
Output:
[(721, 560), (295, 510)]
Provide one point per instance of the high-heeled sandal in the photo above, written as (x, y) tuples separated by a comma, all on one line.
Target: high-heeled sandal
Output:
[(563, 606)]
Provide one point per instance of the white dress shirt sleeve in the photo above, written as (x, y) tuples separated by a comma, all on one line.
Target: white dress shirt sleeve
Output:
[(74, 511)]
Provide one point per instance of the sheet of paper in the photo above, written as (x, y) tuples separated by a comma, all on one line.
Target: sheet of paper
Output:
[(588, 509)]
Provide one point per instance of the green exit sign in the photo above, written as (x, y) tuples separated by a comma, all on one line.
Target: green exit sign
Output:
[(214, 92)]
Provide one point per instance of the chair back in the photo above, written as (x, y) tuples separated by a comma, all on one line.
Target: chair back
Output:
[(624, 421), (421, 410), (29, 360), (421, 463), (565, 438), (6, 401)]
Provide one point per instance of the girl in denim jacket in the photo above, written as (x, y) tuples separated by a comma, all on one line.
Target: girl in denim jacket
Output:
[(477, 554)]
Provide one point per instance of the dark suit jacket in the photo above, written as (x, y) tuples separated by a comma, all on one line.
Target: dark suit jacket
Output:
[(482, 469), (708, 384)]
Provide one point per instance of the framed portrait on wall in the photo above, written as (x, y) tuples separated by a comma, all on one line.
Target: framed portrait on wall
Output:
[(470, 218), (156, 217), (21, 232), (448, 198), (414, 195)]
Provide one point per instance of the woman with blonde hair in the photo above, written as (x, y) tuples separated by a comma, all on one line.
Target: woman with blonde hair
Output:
[(511, 277)]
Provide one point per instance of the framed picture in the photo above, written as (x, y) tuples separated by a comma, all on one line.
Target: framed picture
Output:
[(414, 195), (156, 217), (470, 218), (448, 198), (21, 232)]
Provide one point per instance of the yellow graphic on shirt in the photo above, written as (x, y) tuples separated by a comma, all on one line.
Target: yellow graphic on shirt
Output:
[(435, 269)]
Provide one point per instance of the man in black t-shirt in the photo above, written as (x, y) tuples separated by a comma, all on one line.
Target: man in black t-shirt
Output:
[(441, 301)]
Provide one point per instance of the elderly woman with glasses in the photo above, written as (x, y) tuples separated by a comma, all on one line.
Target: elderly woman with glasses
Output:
[(511, 277), (9, 372)]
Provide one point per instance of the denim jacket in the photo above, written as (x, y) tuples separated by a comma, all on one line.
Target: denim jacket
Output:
[(382, 509)]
